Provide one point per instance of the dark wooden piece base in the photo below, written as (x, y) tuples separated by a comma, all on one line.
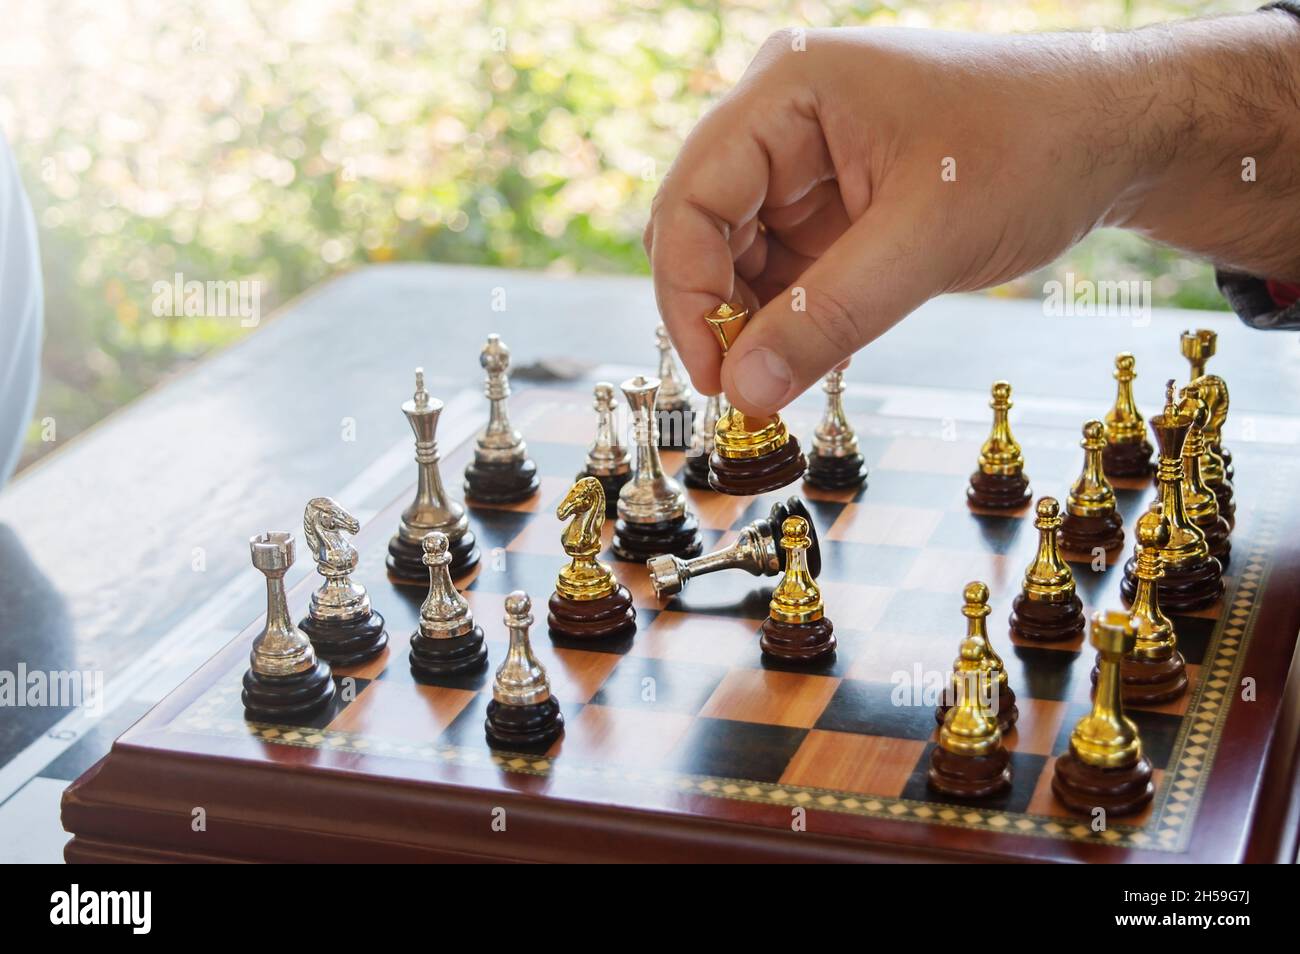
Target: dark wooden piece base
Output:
[(1084, 534), (1223, 492), (638, 542), (609, 617), (1120, 791), (998, 491), (1008, 712), (1181, 589), (696, 472), (967, 776), (836, 473), (797, 642), (747, 477), (405, 560), (346, 642), (432, 658), (1127, 460), (524, 728), (493, 483), (1217, 539), (1046, 622), (284, 698), (611, 484), (1151, 682)]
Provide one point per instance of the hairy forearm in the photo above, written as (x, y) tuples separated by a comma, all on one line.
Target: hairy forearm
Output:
[(1210, 116)]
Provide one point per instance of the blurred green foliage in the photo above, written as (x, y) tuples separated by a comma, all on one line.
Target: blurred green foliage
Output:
[(283, 140)]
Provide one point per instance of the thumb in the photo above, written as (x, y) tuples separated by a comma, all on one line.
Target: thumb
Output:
[(860, 287)]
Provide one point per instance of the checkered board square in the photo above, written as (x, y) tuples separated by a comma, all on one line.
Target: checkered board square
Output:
[(687, 706)]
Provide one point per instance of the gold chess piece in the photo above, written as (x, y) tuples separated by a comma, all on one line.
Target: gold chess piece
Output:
[(588, 602), (523, 715), (1199, 500), (796, 629), (971, 760), (1198, 347), (1000, 481), (1092, 518), (1128, 452), (1214, 468), (1193, 579), (1048, 608), (1154, 672), (975, 608), (835, 462), (750, 455), (1105, 766)]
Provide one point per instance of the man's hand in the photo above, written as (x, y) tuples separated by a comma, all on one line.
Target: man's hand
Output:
[(854, 174)]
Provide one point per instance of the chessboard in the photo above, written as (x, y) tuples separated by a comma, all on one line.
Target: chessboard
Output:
[(683, 744)]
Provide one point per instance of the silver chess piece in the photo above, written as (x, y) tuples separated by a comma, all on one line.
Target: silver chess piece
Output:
[(447, 641), (756, 550), (697, 456), (339, 597), (673, 405), (835, 461), (651, 496), (340, 622), (285, 679), (501, 471), (281, 648), (607, 456), (431, 509), (522, 714)]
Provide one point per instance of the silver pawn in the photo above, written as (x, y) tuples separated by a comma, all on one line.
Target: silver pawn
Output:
[(522, 714), (835, 461), (431, 509), (446, 641), (607, 456), (673, 409), (697, 456)]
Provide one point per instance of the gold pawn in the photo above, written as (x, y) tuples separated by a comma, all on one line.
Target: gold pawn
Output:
[(1105, 737), (1092, 494), (585, 577), (1186, 540), (975, 600), (1156, 639), (1048, 578), (1000, 454), (1199, 500), (797, 598), (969, 728), (1124, 424), (737, 435)]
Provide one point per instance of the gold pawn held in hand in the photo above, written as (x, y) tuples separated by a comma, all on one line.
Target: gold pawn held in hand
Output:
[(1092, 519), (975, 608), (1128, 452), (970, 760), (750, 455), (1048, 608), (796, 629), (588, 602), (1154, 672), (1105, 767), (1000, 482)]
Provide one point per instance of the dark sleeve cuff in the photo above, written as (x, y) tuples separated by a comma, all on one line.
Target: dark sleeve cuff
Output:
[(1251, 299), (1290, 6)]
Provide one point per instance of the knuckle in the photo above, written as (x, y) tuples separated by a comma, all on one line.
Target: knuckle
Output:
[(834, 319)]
